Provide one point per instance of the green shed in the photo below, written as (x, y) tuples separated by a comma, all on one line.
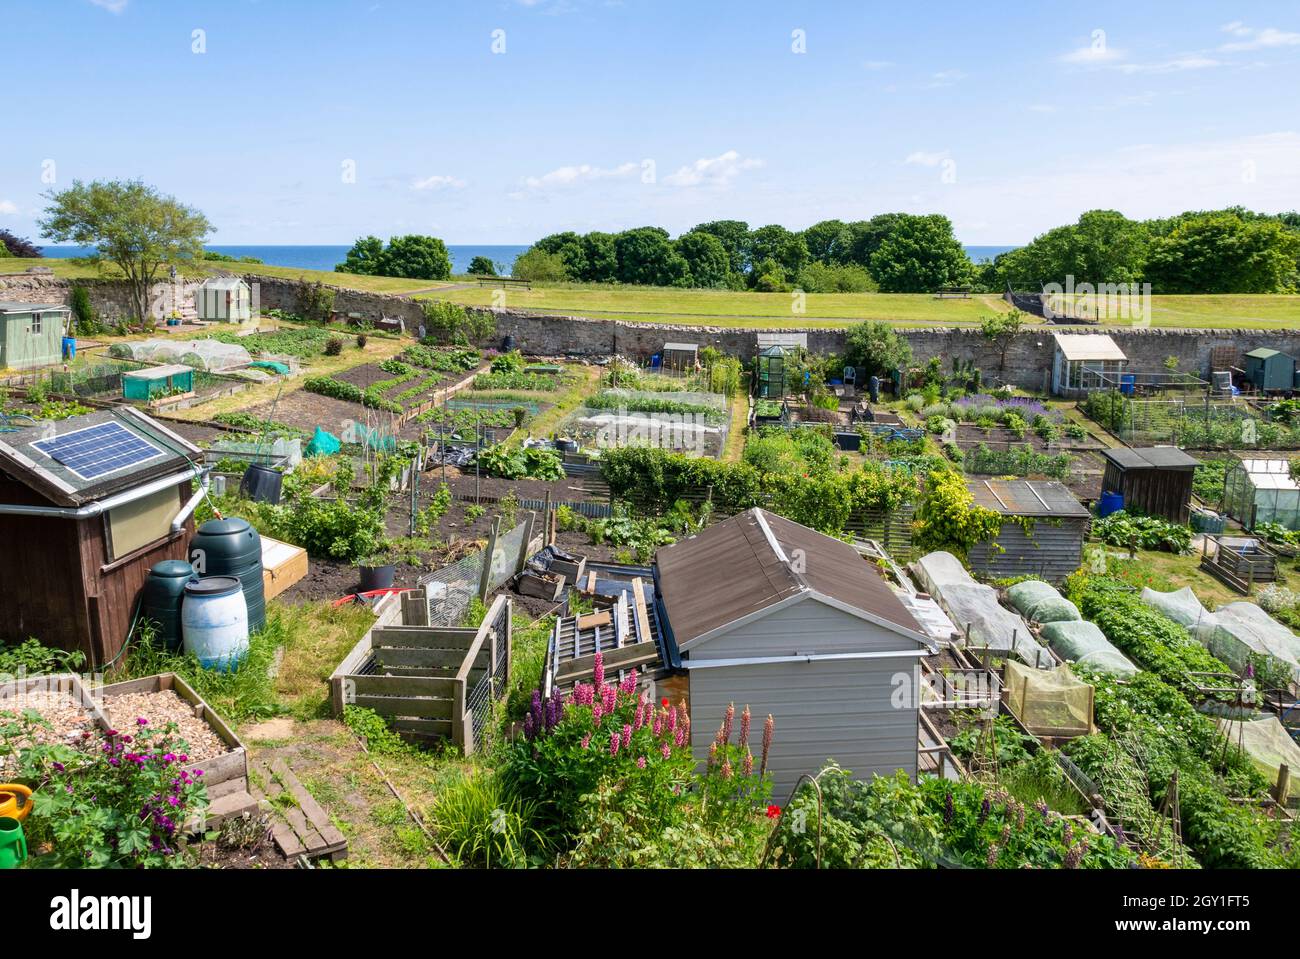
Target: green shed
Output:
[(155, 381), (1269, 370), (31, 334)]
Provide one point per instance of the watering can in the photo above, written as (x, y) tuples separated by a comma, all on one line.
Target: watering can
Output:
[(13, 844), (15, 801)]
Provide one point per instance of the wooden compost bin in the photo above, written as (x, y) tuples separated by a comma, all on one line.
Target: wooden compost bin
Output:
[(225, 776), (429, 682), (1239, 561)]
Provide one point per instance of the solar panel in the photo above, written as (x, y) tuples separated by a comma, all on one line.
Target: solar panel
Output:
[(99, 450)]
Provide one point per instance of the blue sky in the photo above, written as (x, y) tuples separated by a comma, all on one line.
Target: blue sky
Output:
[(1009, 117)]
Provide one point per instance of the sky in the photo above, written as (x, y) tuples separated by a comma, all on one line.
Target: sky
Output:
[(316, 121)]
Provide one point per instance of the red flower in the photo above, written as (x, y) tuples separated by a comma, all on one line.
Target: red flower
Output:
[(664, 702), (773, 812)]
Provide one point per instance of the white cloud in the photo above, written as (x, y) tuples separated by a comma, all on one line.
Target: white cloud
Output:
[(946, 78), (8, 207), (1249, 38), (438, 182), (1093, 53), (1177, 65), (924, 158), (112, 6), (582, 173), (717, 171)]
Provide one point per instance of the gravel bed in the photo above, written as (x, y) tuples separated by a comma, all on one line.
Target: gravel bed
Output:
[(68, 719), (162, 708)]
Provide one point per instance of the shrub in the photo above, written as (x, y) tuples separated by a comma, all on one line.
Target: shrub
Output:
[(1134, 531), (362, 340), (948, 517), (334, 346), (516, 462), (481, 826)]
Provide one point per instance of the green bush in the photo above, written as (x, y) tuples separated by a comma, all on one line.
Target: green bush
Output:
[(1135, 531), (334, 346)]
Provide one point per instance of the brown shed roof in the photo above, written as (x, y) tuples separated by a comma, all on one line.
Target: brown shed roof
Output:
[(742, 566), (1153, 457), (1026, 498)]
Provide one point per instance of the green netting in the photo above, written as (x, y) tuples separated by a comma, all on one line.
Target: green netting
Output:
[(1268, 746), (1049, 702), (1083, 642), (1040, 601)]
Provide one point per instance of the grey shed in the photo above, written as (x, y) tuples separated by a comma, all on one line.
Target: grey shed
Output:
[(773, 615), (1043, 535)]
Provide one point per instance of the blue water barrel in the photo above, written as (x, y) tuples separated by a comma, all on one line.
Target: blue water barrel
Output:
[(214, 621), (1127, 383), (231, 547), (69, 347), (1110, 503), (160, 600)]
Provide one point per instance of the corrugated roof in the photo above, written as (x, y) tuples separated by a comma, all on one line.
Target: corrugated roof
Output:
[(787, 340), (1152, 457), (682, 347), (1026, 498), (222, 282), (1088, 346), (17, 306), (734, 569)]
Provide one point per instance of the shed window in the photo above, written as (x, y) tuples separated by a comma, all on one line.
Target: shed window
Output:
[(133, 526), (36, 322)]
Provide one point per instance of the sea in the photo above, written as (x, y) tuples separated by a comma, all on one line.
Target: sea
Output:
[(325, 257)]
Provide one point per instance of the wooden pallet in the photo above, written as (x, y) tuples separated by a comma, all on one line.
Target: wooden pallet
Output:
[(302, 828)]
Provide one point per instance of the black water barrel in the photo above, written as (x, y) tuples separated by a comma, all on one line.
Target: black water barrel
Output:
[(160, 600), (231, 547), (507, 344), (261, 484)]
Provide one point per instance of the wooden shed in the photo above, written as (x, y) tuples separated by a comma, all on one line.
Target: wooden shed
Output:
[(1156, 480), (1043, 533), (31, 334), (763, 612), (224, 299), (1269, 371), (87, 506), (681, 357)]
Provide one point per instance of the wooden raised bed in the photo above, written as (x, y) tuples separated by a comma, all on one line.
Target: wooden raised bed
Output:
[(1239, 561), (225, 776), (429, 682)]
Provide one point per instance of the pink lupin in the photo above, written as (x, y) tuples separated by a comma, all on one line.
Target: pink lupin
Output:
[(744, 727), (769, 728), (598, 670), (614, 741)]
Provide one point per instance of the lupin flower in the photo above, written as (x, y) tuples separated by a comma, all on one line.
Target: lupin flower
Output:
[(769, 727), (747, 764), (744, 726), (598, 670), (992, 858), (658, 725), (640, 762), (670, 718), (614, 740), (597, 712), (679, 737), (665, 750), (627, 735), (726, 768), (728, 719), (628, 685), (586, 740)]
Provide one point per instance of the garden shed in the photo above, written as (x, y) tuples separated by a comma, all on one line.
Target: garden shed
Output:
[(1042, 534), (1156, 480), (1084, 362), (1269, 371), (224, 299), (763, 612), (94, 501), (157, 381), (31, 334), (1262, 491), (681, 357)]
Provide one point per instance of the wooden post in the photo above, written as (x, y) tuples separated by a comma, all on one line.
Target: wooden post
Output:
[(529, 523), (1283, 787), (458, 725), (485, 575), (547, 532)]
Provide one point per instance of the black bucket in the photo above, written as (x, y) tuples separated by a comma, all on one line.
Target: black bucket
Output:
[(377, 577), (261, 484)]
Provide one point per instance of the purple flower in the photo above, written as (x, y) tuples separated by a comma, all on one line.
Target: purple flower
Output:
[(141, 721)]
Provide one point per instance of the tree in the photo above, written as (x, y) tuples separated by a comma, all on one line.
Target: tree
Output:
[(706, 259), (920, 255), (1001, 330), (539, 266), (601, 258), (1102, 247), (818, 277), (735, 238), (131, 226), (18, 246), (416, 257), (568, 246), (365, 258), (875, 349), (1223, 253), (646, 255), (776, 243), (865, 237), (452, 323), (482, 266), (828, 241)]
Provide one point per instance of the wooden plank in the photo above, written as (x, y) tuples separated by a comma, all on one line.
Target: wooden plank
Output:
[(422, 707), (624, 657), (269, 789), (638, 603), (318, 817), (423, 728), (423, 658), (402, 686), (422, 637), (592, 620)]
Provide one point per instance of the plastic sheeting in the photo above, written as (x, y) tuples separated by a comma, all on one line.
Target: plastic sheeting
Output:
[(1083, 642), (1040, 601), (1049, 702), (969, 603), (212, 355), (1268, 746), (1233, 631)]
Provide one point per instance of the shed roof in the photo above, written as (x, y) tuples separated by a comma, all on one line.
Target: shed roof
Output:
[(1152, 457), (223, 283), (682, 347), (17, 306), (1088, 346), (40, 470), (1026, 498), (157, 372), (740, 568), (788, 340), (1263, 353)]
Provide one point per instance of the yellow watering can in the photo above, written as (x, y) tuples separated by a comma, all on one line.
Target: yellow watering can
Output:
[(15, 801)]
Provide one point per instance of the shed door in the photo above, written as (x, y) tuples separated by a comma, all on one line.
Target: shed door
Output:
[(855, 711)]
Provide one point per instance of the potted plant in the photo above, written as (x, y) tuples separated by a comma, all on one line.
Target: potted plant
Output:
[(378, 570)]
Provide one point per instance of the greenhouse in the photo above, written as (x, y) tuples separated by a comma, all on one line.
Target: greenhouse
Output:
[(771, 373), (682, 421), (211, 355), (1262, 491)]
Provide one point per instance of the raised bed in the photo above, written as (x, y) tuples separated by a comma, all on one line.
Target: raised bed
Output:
[(430, 682), (62, 699), (225, 775)]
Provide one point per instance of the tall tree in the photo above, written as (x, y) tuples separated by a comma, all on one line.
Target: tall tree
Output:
[(1001, 330), (706, 258), (828, 241), (365, 258), (876, 349), (417, 257), (601, 260), (1223, 253), (735, 238), (1102, 247), (775, 242), (920, 255), (130, 225), (646, 255)]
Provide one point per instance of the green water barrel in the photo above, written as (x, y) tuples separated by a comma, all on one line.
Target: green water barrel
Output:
[(231, 547), (160, 600)]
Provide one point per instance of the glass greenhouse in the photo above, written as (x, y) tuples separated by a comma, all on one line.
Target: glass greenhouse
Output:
[(1262, 491)]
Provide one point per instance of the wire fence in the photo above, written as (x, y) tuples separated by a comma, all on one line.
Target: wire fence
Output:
[(493, 681), (452, 590)]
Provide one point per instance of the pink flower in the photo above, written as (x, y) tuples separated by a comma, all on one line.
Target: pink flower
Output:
[(586, 740), (744, 727), (679, 737), (726, 768), (658, 726), (665, 750), (747, 767), (596, 712), (768, 728), (627, 735), (640, 762), (728, 719), (614, 739), (598, 670), (672, 718)]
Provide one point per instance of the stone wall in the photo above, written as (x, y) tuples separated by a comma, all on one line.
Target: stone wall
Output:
[(1028, 361)]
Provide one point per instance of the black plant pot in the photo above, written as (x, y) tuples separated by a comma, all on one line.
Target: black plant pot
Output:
[(377, 577)]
